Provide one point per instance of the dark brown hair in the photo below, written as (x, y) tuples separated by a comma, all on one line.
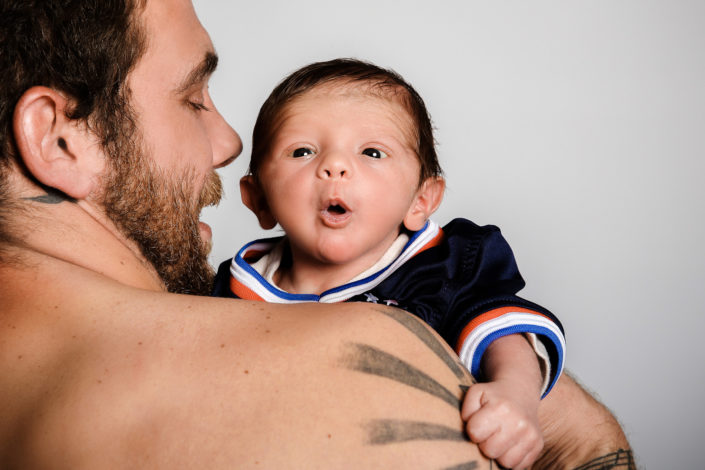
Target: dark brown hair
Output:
[(347, 71), (83, 48)]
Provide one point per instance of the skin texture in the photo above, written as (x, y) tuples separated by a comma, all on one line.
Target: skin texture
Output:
[(102, 368)]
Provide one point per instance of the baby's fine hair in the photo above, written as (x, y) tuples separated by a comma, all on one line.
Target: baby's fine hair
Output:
[(346, 71)]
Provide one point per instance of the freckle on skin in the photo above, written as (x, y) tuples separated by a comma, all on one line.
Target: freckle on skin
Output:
[(140, 343), (19, 357), (222, 345), (329, 436), (247, 372), (266, 331)]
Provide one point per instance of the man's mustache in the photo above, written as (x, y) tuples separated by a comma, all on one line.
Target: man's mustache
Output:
[(212, 191)]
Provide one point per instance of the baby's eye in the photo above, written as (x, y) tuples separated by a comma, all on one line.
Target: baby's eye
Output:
[(374, 153), (302, 152)]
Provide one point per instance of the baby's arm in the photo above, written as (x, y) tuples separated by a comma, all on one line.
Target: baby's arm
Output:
[(502, 413)]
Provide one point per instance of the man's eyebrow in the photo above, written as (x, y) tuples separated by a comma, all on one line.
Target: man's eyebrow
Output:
[(200, 73)]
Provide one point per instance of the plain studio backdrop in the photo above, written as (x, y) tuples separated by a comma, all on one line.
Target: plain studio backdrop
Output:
[(576, 127)]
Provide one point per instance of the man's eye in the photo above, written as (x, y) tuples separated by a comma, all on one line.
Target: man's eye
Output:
[(374, 153), (196, 106), (301, 152)]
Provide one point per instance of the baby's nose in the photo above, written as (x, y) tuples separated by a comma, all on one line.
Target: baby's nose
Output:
[(334, 166)]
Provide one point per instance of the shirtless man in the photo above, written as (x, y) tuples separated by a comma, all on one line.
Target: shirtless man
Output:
[(108, 145)]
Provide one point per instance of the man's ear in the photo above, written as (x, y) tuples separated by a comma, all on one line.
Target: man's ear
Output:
[(253, 197), (59, 152), (427, 199)]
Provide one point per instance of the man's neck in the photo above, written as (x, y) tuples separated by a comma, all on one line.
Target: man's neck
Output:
[(75, 232)]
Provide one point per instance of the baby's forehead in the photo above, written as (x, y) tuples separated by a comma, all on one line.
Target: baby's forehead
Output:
[(391, 96), (360, 89)]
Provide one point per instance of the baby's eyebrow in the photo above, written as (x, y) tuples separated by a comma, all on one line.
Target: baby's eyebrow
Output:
[(200, 72)]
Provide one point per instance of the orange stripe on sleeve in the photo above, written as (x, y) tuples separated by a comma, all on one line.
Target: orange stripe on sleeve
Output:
[(489, 315)]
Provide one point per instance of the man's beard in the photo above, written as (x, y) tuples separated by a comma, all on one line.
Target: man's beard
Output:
[(159, 213)]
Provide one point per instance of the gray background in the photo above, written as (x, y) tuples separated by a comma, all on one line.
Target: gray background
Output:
[(577, 127)]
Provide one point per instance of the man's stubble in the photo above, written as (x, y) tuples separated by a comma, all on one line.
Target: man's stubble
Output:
[(159, 211)]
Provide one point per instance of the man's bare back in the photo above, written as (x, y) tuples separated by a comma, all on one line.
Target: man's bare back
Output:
[(129, 377)]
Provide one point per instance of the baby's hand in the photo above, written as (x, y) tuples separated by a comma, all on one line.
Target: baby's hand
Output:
[(503, 421)]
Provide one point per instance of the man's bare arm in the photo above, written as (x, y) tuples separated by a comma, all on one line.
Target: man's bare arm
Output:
[(580, 433)]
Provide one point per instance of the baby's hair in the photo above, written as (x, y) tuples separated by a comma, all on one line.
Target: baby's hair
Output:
[(346, 71)]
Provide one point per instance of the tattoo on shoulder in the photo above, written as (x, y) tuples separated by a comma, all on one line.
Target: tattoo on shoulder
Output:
[(388, 431), (370, 360), (620, 459), (51, 197), (374, 361), (420, 329), (391, 431), (472, 465)]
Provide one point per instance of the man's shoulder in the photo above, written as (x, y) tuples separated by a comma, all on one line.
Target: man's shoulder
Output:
[(155, 370)]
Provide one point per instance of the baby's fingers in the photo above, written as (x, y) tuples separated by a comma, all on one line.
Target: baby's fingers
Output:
[(473, 401), (482, 425), (529, 458), (518, 446), (521, 455), (494, 446)]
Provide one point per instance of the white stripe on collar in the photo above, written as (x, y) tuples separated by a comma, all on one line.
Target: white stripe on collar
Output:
[(259, 276)]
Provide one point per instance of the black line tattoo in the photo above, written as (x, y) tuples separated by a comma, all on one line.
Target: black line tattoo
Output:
[(52, 196), (620, 459), (391, 431), (418, 328), (472, 465), (370, 360)]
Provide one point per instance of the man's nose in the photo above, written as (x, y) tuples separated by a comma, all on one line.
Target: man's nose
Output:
[(225, 141), (334, 165)]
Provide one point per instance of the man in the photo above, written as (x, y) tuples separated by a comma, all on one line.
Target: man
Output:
[(108, 145)]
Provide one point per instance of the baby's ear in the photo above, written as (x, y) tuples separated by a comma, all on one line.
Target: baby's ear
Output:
[(59, 152), (427, 199), (253, 197)]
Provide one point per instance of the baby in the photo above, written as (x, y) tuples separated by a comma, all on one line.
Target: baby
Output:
[(343, 159)]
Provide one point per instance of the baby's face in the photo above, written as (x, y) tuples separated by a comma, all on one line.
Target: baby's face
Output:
[(342, 175)]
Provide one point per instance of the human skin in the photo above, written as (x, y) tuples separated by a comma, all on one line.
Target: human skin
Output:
[(104, 369), (126, 378)]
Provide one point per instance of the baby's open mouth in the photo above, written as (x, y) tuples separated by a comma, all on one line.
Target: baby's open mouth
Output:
[(336, 209), (336, 213)]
